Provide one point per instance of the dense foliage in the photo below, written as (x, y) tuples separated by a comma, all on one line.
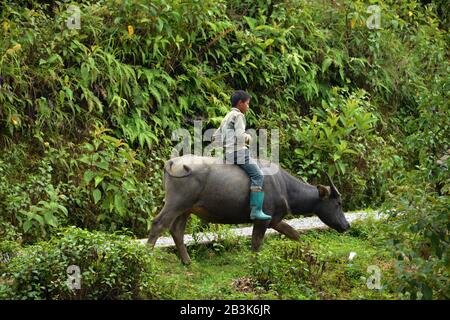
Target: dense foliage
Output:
[(87, 115)]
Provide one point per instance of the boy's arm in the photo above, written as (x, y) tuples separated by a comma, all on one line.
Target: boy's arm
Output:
[(239, 128)]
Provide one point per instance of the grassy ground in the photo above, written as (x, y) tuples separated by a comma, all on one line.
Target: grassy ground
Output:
[(315, 268)]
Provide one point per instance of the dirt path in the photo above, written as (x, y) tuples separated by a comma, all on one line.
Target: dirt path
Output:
[(300, 224)]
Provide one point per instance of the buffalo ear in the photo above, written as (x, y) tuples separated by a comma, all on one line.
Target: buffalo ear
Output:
[(323, 191), (333, 190)]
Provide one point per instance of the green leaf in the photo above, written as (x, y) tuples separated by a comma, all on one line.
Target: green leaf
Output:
[(53, 58), (27, 225), (97, 195), (251, 22), (139, 163), (98, 179), (118, 203), (351, 151), (50, 219), (38, 218), (341, 167), (326, 64), (159, 24), (102, 165), (268, 42), (155, 94), (128, 186), (341, 73), (63, 209), (88, 175)]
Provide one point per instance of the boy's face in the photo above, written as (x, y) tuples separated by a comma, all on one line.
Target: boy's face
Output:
[(243, 105)]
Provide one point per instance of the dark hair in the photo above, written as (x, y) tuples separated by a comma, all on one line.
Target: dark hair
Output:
[(239, 95)]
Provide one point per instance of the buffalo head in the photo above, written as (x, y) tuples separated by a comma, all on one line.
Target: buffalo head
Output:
[(329, 207)]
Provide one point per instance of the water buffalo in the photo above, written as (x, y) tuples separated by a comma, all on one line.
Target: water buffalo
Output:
[(219, 193)]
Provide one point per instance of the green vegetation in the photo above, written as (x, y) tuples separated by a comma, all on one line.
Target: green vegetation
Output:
[(110, 267), (116, 268), (316, 268), (86, 118)]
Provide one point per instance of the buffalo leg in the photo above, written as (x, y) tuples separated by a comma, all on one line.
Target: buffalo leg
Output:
[(161, 222), (287, 230), (177, 232), (259, 229)]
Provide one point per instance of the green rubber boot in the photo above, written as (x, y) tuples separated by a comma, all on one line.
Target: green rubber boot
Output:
[(256, 203)]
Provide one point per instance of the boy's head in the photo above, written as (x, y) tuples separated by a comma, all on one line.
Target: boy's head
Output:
[(240, 99)]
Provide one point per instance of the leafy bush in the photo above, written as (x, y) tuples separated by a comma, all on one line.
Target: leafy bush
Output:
[(111, 267), (92, 184), (287, 264), (105, 192), (33, 213), (8, 232), (419, 234), (339, 139), (8, 250), (319, 267)]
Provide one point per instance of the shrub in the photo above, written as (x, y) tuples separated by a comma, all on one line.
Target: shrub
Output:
[(32, 213), (98, 183), (419, 233), (9, 232), (283, 265), (340, 139), (8, 250), (104, 191), (319, 267), (111, 267)]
